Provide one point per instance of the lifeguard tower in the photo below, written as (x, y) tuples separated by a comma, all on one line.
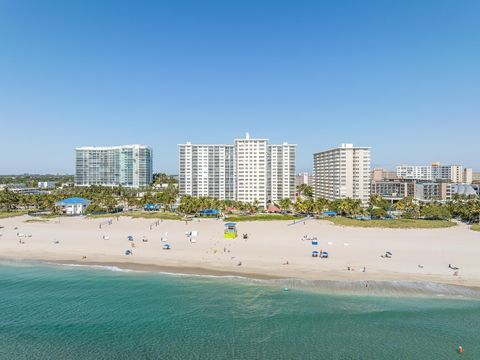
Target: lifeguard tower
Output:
[(230, 230)]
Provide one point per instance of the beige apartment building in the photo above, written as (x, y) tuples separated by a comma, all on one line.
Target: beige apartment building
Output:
[(379, 174), (342, 172), (303, 179), (475, 177)]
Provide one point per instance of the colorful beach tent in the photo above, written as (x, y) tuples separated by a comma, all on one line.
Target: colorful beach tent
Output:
[(209, 212), (330, 213)]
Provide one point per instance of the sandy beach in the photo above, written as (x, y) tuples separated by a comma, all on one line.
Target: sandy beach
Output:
[(274, 249)]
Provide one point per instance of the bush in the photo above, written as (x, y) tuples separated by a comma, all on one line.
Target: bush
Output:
[(378, 213), (435, 212)]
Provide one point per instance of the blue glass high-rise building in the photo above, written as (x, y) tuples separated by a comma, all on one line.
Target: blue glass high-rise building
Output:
[(127, 165)]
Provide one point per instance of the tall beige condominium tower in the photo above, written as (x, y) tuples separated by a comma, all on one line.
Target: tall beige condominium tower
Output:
[(342, 172), (467, 176)]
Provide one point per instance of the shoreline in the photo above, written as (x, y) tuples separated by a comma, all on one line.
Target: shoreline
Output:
[(255, 274), (383, 287), (168, 269)]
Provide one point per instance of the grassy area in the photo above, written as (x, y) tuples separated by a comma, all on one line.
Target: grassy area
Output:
[(261, 217), (475, 227), (48, 216), (8, 214), (39, 220), (141, 215), (392, 224)]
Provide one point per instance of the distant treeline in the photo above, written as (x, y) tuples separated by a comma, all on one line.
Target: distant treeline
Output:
[(32, 180)]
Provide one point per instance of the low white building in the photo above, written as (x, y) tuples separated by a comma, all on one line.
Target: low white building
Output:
[(73, 206), (46, 184)]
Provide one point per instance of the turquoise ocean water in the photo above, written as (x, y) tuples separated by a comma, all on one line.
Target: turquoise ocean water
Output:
[(62, 312)]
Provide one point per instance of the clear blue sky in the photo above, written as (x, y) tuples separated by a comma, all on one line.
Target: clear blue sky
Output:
[(400, 76)]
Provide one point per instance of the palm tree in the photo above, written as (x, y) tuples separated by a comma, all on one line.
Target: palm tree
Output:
[(340, 206), (253, 207), (377, 201), (305, 190), (347, 206), (285, 204), (8, 199), (186, 204), (321, 205), (301, 205)]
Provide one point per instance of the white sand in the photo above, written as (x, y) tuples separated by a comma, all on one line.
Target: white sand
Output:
[(270, 244)]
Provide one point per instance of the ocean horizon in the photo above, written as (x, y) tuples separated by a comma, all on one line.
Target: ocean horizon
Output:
[(54, 311)]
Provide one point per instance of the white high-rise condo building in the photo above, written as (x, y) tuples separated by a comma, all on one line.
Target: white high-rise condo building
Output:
[(414, 172), (436, 172), (207, 171), (342, 172), (249, 170), (127, 165)]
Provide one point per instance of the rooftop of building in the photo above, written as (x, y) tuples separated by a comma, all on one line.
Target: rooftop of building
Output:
[(73, 201), (345, 146), (116, 147), (246, 138)]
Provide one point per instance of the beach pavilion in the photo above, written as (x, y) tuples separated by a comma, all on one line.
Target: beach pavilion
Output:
[(73, 206)]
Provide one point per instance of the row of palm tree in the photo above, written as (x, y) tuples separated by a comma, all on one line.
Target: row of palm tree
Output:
[(465, 208), (110, 198), (103, 199), (307, 205), (191, 205)]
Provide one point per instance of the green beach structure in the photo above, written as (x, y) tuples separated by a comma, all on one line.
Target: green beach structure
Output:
[(230, 231)]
